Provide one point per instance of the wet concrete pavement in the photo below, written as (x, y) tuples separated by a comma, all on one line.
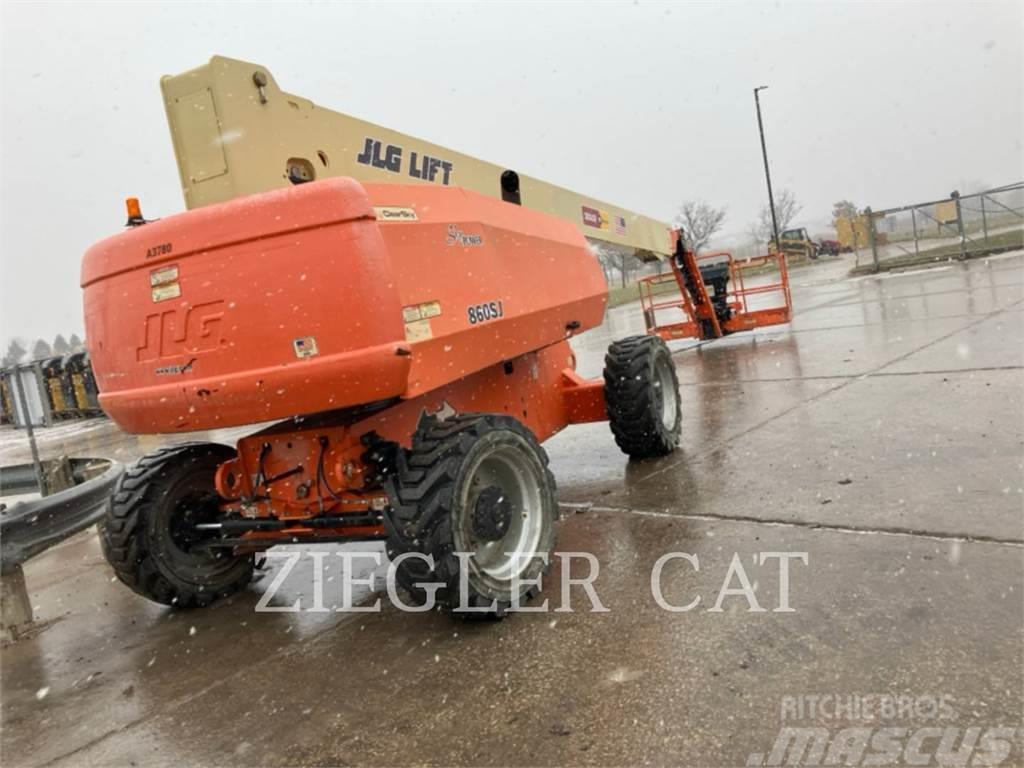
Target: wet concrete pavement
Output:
[(881, 433)]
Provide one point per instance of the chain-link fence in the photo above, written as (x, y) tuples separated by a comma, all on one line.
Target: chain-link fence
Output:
[(959, 226)]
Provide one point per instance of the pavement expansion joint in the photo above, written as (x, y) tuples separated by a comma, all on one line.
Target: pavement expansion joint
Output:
[(809, 525), (870, 375), (843, 383)]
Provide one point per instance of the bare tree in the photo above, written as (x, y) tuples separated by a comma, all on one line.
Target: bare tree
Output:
[(699, 222), (77, 345), (15, 351), (604, 258), (786, 211), (756, 235), (60, 345), (844, 209), (614, 260), (40, 350)]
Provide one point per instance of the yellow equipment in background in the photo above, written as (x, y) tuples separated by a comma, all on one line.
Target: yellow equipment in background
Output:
[(58, 388), (6, 401), (83, 384), (796, 243), (852, 233)]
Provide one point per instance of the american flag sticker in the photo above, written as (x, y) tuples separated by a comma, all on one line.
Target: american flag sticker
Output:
[(620, 225), (305, 347)]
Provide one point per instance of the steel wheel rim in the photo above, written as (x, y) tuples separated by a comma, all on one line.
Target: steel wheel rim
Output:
[(510, 468), (190, 505), (187, 511), (666, 387)]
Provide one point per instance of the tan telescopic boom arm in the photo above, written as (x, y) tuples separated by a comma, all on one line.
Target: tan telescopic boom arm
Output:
[(236, 133)]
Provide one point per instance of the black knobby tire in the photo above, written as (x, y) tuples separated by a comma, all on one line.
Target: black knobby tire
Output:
[(638, 377), (146, 533), (434, 494)]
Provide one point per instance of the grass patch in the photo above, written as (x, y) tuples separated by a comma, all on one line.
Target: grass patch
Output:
[(1004, 241), (927, 229)]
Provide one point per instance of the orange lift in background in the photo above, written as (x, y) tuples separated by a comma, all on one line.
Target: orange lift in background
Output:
[(710, 308)]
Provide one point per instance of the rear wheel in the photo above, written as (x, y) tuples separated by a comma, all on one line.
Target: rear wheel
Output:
[(641, 392), (476, 484), (149, 535)]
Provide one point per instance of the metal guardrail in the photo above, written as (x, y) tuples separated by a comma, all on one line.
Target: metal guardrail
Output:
[(30, 527), (18, 480)]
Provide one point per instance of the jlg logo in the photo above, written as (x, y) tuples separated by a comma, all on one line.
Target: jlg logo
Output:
[(388, 157), (181, 331)]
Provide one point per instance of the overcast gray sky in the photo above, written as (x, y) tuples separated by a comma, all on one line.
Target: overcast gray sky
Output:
[(642, 104)]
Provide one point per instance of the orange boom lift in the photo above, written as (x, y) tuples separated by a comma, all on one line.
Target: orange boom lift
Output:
[(404, 335), (711, 309)]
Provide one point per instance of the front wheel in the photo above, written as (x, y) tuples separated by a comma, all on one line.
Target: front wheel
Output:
[(477, 485), (641, 393), (149, 535)]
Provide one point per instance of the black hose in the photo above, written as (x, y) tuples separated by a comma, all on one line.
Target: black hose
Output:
[(321, 475)]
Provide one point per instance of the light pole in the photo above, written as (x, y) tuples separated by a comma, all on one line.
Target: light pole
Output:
[(767, 174)]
